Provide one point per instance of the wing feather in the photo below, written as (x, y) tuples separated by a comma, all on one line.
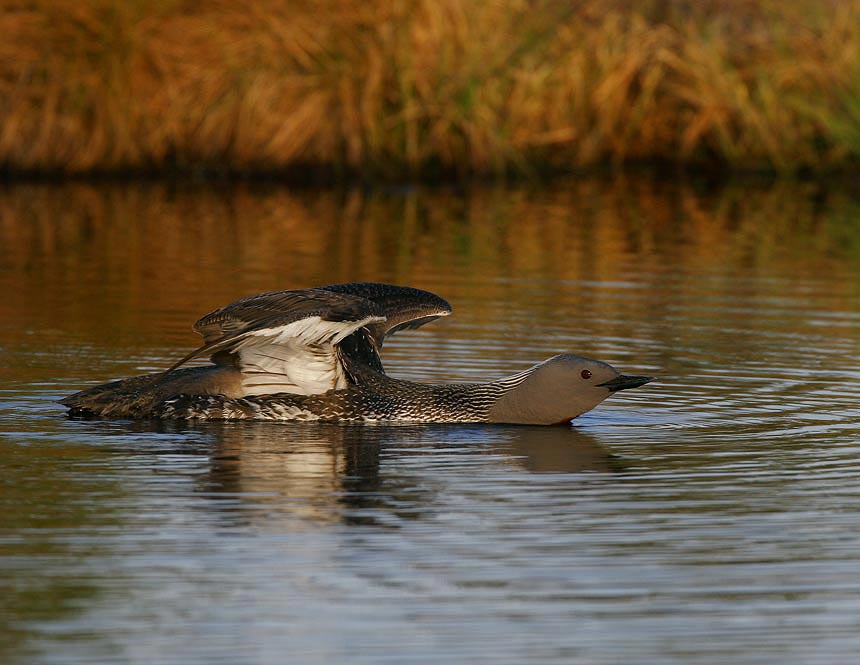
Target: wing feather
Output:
[(292, 341), (400, 306)]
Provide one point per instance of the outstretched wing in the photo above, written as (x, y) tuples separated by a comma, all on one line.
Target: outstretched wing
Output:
[(291, 341), (284, 341)]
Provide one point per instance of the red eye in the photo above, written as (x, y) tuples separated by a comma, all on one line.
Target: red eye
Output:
[(585, 374)]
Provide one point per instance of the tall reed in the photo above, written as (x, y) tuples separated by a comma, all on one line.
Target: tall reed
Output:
[(398, 88)]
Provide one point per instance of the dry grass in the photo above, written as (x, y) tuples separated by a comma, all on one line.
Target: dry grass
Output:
[(418, 87)]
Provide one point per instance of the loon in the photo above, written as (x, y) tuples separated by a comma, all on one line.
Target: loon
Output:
[(313, 355)]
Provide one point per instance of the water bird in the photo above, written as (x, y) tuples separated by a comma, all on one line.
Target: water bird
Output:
[(313, 354)]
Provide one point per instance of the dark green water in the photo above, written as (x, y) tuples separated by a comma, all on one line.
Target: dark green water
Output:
[(710, 517)]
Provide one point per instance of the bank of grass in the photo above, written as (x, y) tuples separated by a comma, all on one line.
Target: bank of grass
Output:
[(396, 88)]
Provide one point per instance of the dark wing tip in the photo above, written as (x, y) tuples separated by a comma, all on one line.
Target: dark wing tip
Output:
[(402, 306), (390, 293)]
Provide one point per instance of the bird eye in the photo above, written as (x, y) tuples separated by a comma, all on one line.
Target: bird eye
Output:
[(585, 374)]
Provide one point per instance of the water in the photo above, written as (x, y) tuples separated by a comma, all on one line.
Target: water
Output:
[(710, 517)]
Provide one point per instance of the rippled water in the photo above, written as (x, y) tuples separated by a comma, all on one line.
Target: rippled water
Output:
[(710, 517)]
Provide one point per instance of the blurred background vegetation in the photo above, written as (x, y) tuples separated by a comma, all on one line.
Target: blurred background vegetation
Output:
[(428, 88)]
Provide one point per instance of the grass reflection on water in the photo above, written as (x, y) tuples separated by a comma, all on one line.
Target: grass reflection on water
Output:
[(132, 266)]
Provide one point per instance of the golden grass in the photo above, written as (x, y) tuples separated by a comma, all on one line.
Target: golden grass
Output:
[(401, 88)]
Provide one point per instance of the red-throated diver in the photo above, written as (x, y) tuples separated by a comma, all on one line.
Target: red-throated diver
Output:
[(313, 354)]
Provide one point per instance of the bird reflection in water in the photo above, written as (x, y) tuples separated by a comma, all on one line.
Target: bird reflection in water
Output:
[(292, 477), (544, 450)]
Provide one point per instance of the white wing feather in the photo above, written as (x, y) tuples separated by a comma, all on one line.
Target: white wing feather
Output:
[(297, 358)]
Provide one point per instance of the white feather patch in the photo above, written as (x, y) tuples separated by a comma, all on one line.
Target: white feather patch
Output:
[(297, 358)]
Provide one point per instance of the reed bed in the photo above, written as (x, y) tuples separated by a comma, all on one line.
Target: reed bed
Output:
[(398, 88)]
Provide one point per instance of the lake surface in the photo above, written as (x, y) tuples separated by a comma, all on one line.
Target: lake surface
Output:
[(712, 516)]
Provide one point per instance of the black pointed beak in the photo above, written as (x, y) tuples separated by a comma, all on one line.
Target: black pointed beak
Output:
[(622, 382)]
